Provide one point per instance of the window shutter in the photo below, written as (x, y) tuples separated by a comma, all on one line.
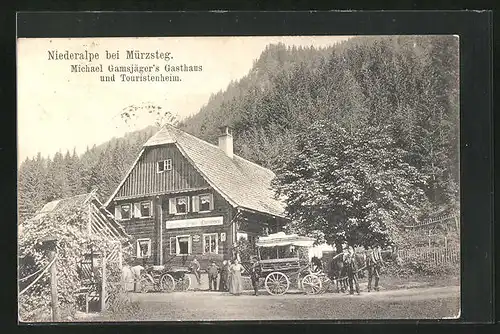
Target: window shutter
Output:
[(196, 203), (171, 207), (188, 207), (189, 245), (118, 212), (137, 209), (211, 202), (173, 245)]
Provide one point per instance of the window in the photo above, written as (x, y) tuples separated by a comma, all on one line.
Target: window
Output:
[(179, 205), (143, 209), (203, 203), (123, 211), (164, 165), (180, 245), (143, 247), (210, 243)]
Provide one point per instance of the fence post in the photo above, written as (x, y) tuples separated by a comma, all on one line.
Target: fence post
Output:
[(51, 246), (103, 285)]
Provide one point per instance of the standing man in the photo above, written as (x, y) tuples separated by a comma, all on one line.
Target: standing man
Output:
[(352, 268), (255, 275), (195, 268), (374, 264), (224, 273), (213, 272)]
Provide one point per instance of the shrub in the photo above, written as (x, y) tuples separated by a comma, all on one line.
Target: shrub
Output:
[(67, 227), (416, 265)]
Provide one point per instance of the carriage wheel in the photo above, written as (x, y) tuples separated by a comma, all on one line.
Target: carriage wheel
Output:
[(311, 284), (277, 283), (167, 283), (183, 283), (325, 283), (144, 285)]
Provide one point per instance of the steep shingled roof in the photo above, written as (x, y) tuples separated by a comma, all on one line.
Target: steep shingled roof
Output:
[(103, 222), (243, 183)]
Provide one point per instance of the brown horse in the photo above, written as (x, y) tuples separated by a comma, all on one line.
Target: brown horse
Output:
[(337, 271)]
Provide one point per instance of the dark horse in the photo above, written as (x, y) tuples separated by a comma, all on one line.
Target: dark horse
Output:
[(337, 272), (316, 265)]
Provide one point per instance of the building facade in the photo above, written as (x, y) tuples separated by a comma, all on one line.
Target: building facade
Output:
[(185, 197)]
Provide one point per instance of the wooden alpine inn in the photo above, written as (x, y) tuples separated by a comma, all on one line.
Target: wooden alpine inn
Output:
[(184, 197)]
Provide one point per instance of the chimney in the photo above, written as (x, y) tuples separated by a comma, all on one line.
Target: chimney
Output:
[(226, 140)]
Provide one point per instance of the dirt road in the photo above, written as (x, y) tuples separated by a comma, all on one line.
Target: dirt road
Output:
[(432, 303)]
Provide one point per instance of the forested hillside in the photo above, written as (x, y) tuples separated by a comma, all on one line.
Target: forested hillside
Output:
[(406, 85)]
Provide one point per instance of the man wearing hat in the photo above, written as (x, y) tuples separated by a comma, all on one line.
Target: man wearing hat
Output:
[(213, 272), (374, 264), (224, 275), (352, 269), (255, 275)]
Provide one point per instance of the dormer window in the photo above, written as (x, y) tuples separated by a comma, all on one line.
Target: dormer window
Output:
[(164, 165)]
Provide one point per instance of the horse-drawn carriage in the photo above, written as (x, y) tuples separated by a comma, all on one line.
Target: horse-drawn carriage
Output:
[(284, 259), (165, 278)]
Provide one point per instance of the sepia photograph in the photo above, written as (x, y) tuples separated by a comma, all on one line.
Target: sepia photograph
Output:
[(238, 178)]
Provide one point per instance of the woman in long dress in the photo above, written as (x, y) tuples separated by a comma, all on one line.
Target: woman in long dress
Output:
[(235, 271)]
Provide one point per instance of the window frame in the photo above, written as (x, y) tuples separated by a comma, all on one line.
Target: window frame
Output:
[(167, 166), (187, 205), (130, 208), (150, 209), (210, 237), (137, 250), (177, 245), (210, 204)]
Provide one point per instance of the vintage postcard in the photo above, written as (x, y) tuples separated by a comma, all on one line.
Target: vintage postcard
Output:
[(238, 178)]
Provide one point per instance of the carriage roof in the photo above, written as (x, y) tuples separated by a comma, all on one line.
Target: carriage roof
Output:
[(282, 239)]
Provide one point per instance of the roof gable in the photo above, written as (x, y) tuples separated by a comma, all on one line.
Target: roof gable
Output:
[(241, 182), (103, 221)]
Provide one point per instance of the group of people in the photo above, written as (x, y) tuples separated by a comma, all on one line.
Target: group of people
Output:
[(373, 264), (228, 275)]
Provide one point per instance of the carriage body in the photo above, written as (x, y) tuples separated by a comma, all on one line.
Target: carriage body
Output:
[(165, 278), (284, 259)]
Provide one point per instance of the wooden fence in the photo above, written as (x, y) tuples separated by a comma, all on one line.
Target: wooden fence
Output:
[(452, 220), (435, 255)]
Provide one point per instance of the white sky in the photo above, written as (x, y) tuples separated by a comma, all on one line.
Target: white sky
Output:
[(59, 110)]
